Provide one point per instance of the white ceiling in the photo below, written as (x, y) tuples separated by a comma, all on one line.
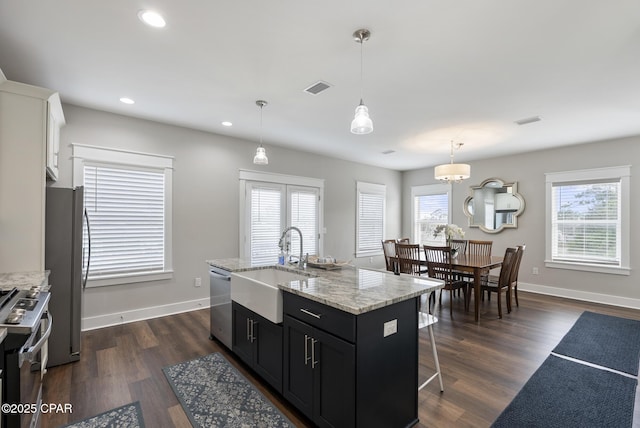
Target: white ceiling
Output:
[(434, 71)]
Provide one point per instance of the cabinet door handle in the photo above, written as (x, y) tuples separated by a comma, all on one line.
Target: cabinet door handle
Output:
[(253, 336), (306, 349), (308, 312), (248, 329), (313, 354)]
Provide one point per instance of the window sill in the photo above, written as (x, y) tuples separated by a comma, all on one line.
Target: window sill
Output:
[(614, 270), (369, 253), (129, 279)]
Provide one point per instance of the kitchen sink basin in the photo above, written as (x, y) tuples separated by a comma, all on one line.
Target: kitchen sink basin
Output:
[(258, 290)]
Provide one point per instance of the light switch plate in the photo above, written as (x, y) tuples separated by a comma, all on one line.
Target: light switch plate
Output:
[(390, 327)]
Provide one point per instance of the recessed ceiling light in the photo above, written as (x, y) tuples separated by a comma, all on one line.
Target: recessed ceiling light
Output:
[(152, 18), (126, 100), (225, 123)]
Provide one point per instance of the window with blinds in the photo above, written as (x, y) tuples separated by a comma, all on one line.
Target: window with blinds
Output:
[(265, 222), (370, 223), (588, 218), (126, 208), (303, 214), (272, 207), (586, 222), (429, 211)]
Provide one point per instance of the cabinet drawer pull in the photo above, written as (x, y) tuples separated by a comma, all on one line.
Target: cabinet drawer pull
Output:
[(248, 329), (253, 336), (305, 311)]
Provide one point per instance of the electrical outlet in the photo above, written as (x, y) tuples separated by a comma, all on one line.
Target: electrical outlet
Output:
[(390, 327), (197, 282), (370, 260), (535, 271)]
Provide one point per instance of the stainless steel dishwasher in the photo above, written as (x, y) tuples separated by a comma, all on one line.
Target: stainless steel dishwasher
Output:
[(220, 305)]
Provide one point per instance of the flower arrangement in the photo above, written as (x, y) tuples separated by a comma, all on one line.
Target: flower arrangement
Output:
[(450, 231)]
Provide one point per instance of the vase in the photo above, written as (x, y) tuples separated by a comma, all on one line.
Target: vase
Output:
[(454, 253)]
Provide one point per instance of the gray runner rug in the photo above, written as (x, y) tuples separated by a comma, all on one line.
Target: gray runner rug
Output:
[(605, 340), (213, 393), (127, 416), (566, 394)]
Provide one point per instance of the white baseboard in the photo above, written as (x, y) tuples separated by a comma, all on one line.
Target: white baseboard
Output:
[(107, 320), (605, 299)]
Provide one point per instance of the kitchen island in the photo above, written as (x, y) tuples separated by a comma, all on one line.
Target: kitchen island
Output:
[(348, 352)]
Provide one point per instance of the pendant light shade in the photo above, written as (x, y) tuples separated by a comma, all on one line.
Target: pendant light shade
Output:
[(452, 172), (361, 123), (261, 155)]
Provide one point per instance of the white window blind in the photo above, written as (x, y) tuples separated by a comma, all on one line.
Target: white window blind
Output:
[(370, 218), (303, 214), (429, 211), (586, 222), (126, 207), (265, 222)]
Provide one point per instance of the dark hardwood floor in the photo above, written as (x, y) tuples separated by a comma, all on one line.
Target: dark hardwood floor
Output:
[(484, 364)]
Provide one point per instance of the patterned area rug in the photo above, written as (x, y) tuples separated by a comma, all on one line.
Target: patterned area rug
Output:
[(127, 416), (214, 394)]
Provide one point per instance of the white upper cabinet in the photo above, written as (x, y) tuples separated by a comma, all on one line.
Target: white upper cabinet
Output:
[(30, 121)]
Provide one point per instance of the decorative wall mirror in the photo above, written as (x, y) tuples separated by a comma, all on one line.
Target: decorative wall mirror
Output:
[(494, 205)]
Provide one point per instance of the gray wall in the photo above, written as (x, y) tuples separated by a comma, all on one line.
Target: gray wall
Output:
[(529, 170), (206, 206)]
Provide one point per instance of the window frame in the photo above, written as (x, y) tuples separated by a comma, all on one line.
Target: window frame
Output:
[(117, 158), (372, 189), (246, 177), (428, 190), (621, 173)]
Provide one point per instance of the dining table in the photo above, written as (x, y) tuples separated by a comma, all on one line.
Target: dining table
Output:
[(478, 265)]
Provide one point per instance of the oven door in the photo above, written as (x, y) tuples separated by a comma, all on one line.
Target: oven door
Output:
[(32, 361)]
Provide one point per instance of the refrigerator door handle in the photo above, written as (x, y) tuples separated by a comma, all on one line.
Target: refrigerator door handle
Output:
[(86, 272)]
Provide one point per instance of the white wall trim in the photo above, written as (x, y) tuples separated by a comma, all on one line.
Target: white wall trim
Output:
[(108, 320), (587, 296)]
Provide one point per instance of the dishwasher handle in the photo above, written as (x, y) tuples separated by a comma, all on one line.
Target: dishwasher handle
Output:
[(216, 275)]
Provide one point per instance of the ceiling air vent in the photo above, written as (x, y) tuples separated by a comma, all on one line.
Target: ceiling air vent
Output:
[(527, 120), (317, 87)]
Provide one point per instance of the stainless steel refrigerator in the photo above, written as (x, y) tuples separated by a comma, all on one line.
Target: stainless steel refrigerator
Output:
[(65, 216)]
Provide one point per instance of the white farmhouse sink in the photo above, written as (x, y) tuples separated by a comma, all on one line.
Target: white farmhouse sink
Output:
[(258, 290)]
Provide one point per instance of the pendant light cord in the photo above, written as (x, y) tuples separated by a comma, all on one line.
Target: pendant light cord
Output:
[(361, 67), (261, 124)]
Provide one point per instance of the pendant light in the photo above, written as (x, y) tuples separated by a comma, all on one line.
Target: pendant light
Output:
[(361, 123), (261, 155), (452, 172)]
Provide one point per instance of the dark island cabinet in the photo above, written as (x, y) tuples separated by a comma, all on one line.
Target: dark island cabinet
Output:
[(258, 342), (319, 375), (345, 370)]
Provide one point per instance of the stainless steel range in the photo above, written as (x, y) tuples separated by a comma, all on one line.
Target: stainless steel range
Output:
[(24, 313)]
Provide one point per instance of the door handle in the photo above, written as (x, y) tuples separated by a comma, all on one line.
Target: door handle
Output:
[(253, 336), (306, 350), (313, 353), (248, 329)]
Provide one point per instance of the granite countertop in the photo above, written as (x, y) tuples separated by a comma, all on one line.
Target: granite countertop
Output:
[(351, 289), (24, 280)]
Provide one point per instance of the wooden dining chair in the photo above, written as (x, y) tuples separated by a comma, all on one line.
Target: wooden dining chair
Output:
[(439, 267), (516, 269), (504, 280), (409, 259), (389, 250), (479, 248), (460, 245)]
